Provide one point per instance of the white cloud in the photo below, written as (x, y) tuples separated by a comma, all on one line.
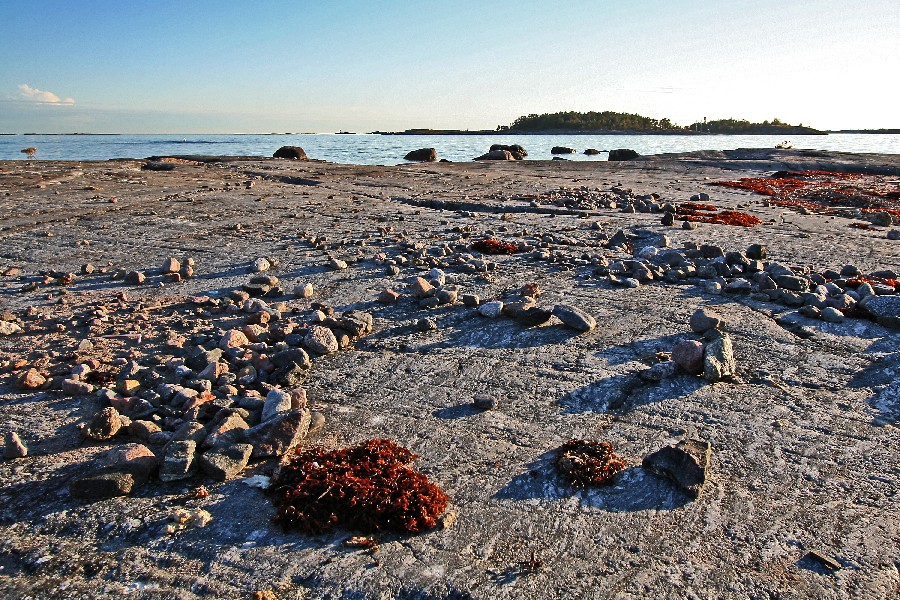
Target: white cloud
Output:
[(31, 94)]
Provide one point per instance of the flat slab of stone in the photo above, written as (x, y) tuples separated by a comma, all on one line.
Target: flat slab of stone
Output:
[(685, 463)]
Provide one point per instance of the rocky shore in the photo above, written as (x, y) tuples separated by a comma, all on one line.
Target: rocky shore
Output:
[(621, 379)]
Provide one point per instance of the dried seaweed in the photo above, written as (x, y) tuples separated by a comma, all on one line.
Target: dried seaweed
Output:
[(825, 191), (492, 246), (588, 462), (707, 213), (368, 488)]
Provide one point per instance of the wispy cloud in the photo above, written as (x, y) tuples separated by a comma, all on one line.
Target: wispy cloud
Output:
[(30, 94)]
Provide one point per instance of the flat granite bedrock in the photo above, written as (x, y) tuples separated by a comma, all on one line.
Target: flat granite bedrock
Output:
[(819, 447)]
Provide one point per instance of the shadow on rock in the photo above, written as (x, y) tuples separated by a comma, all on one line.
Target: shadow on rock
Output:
[(882, 375), (626, 392), (634, 489), (460, 411)]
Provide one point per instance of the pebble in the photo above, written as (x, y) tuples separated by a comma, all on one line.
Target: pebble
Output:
[(260, 264), (689, 356), (225, 462), (574, 317), (9, 328), (135, 277), (14, 447), (321, 340), (279, 434), (471, 300), (424, 325), (420, 288), (171, 265), (660, 371), (277, 401), (491, 309), (718, 359), (388, 296), (703, 320), (832, 315), (178, 460), (233, 338), (31, 380), (686, 463), (337, 264), (893, 234), (104, 425), (304, 290), (484, 402)]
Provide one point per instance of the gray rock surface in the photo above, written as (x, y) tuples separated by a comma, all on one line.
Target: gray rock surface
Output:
[(806, 437)]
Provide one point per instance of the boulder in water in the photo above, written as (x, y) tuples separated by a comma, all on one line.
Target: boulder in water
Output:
[(622, 154), (422, 155), (293, 152)]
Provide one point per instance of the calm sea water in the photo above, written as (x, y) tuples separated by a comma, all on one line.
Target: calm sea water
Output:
[(368, 149)]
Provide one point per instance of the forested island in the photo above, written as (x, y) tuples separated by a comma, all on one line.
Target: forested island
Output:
[(609, 122), (614, 121)]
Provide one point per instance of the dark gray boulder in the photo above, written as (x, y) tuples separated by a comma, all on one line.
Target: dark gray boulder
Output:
[(293, 152), (623, 154), (422, 155), (685, 463)]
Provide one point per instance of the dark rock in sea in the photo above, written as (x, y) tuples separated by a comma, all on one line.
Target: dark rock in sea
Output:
[(562, 150), (294, 152), (623, 154), (685, 463), (422, 155), (496, 155), (516, 150), (592, 151)]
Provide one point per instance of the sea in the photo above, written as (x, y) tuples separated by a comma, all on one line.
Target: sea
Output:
[(377, 149)]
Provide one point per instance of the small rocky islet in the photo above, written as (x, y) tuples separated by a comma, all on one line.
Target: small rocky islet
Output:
[(177, 332)]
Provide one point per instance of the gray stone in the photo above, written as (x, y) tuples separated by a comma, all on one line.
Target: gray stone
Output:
[(277, 401), (321, 340), (225, 462), (686, 463), (227, 430), (718, 359), (484, 402), (703, 320), (792, 282), (424, 325), (104, 425), (14, 447), (574, 317), (689, 356), (260, 264), (832, 315), (660, 371), (178, 460), (279, 434), (491, 309), (885, 309)]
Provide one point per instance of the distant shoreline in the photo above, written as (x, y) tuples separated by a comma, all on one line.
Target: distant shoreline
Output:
[(494, 132)]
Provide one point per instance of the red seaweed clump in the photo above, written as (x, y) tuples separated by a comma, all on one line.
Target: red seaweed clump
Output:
[(588, 462), (707, 213), (825, 191), (369, 487), (492, 246)]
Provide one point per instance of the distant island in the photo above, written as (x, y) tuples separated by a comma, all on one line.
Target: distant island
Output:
[(608, 122)]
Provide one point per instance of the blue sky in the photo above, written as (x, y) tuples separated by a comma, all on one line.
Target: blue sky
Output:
[(202, 67)]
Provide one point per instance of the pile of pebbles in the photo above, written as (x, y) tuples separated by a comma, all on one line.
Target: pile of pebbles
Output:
[(832, 295), (227, 392)]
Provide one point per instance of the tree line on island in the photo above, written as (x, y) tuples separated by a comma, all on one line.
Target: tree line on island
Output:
[(614, 121)]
